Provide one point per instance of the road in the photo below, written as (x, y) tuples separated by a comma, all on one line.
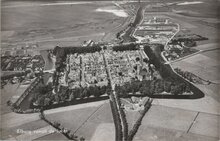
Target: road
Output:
[(114, 99), (113, 95)]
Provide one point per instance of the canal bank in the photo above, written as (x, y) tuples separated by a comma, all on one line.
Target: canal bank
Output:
[(49, 61), (168, 73)]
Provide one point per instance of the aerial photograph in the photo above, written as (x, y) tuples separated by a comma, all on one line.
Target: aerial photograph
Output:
[(103, 70)]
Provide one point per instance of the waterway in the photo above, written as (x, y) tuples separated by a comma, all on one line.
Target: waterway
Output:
[(138, 18), (49, 62), (49, 65)]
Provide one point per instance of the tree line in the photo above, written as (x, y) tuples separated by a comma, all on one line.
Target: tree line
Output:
[(66, 132), (45, 97), (152, 87), (145, 88), (61, 52), (190, 76)]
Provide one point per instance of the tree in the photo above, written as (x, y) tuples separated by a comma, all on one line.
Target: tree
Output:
[(145, 90), (167, 86), (135, 86), (187, 88), (122, 91), (82, 139), (72, 96), (77, 92), (152, 87), (176, 90), (159, 86), (57, 98), (83, 93), (47, 101), (96, 91), (118, 35), (45, 89), (40, 100), (103, 90), (128, 87), (56, 124)]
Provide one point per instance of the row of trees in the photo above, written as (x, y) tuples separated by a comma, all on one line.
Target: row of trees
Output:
[(119, 117), (152, 87), (66, 132), (134, 129), (90, 49), (72, 50), (189, 76), (46, 98), (188, 40), (169, 74), (17, 74), (123, 119), (126, 47), (146, 87), (117, 121), (61, 53)]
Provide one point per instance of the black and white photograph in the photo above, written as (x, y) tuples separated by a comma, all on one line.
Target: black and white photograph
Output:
[(103, 70)]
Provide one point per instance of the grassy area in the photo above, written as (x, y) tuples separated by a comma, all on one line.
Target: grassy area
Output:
[(206, 66), (83, 121), (164, 134), (102, 115), (53, 136), (207, 9), (166, 123), (6, 93), (46, 24), (132, 117)]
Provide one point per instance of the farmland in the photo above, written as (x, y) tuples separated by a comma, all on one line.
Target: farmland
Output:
[(48, 28)]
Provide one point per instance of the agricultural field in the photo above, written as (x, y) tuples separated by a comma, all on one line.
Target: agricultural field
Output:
[(204, 65), (7, 93), (40, 23), (167, 123), (85, 119)]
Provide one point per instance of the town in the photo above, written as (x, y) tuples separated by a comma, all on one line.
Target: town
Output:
[(117, 85)]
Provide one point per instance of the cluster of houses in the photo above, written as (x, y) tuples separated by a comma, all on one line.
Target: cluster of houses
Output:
[(94, 69), (89, 69), (135, 103), (83, 70), (19, 50), (20, 66), (73, 71), (155, 29), (173, 52), (22, 63), (127, 65)]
